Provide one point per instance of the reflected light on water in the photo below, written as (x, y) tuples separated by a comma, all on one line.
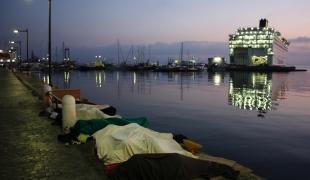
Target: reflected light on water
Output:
[(251, 91), (134, 78), (217, 79), (46, 79), (117, 76), (104, 78), (66, 77), (98, 79)]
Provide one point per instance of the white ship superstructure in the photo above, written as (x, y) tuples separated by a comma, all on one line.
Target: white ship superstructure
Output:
[(258, 46)]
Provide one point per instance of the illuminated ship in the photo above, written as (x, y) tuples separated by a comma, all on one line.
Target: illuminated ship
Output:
[(256, 46)]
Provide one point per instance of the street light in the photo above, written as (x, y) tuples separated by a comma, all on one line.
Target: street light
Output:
[(16, 31), (49, 41)]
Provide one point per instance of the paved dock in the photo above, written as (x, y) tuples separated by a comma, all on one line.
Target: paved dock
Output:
[(29, 148)]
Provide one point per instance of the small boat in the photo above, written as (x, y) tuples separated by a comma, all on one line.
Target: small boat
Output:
[(97, 64)]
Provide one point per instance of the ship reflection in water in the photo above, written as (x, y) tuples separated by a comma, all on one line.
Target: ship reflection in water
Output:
[(256, 91), (250, 91)]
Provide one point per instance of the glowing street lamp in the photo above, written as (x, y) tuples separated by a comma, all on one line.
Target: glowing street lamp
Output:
[(49, 41), (16, 31)]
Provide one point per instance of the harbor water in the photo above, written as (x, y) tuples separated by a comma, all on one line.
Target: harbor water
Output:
[(261, 120)]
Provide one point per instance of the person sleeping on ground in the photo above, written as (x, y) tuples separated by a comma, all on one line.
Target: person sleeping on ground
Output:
[(169, 166), (116, 144), (89, 127)]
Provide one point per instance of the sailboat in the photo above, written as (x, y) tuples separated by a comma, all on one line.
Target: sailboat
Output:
[(180, 65)]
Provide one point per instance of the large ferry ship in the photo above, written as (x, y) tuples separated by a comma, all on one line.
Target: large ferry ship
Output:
[(254, 46)]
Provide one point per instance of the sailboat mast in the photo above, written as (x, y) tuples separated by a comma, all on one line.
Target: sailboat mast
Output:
[(181, 51), (56, 54), (118, 51), (150, 52), (63, 51)]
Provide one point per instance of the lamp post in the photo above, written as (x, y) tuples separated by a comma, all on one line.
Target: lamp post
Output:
[(49, 42), (16, 31)]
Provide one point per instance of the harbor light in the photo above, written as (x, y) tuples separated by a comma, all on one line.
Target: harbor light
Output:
[(216, 61)]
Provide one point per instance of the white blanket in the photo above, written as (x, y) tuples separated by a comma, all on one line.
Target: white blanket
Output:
[(88, 112), (116, 144)]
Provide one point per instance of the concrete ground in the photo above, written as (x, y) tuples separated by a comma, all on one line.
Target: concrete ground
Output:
[(28, 144)]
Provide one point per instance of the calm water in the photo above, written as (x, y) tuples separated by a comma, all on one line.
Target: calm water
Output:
[(260, 120)]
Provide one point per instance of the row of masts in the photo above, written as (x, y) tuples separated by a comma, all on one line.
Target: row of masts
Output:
[(65, 53), (137, 55), (134, 55)]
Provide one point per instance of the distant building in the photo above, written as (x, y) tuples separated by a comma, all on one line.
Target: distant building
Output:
[(7, 57), (258, 46), (216, 61)]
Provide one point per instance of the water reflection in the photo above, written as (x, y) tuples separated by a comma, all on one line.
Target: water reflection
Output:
[(216, 78), (45, 79), (98, 79), (142, 83), (256, 91), (66, 79), (246, 90), (134, 78)]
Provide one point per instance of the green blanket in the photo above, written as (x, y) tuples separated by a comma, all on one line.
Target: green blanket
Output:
[(91, 126)]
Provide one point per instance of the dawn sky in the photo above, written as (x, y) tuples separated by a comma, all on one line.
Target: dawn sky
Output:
[(98, 23)]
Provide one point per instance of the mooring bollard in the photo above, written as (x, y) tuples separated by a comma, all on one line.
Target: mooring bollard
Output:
[(68, 113)]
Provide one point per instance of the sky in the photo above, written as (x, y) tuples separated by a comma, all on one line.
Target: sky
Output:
[(91, 27)]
